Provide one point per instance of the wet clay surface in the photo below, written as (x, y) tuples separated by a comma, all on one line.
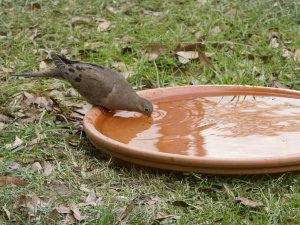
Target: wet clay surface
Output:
[(214, 127)]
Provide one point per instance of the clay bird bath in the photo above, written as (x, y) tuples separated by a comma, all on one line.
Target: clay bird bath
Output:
[(213, 129)]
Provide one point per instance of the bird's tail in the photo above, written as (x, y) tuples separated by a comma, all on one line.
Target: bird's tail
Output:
[(55, 73), (58, 61)]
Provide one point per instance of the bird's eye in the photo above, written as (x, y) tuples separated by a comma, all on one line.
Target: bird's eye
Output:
[(146, 110)]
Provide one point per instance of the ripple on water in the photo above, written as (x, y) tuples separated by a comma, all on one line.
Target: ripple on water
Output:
[(228, 126)]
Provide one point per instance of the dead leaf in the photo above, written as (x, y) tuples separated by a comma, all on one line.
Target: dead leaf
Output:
[(47, 167), (183, 60), (34, 6), (91, 197), (2, 126), (63, 209), (182, 203), (36, 166), (124, 70), (83, 107), (29, 98), (103, 26), (59, 187), (6, 70), (83, 187), (274, 43), (15, 144), (274, 82), (297, 55), (43, 66), (286, 53), (233, 13), (6, 212), (215, 30), (195, 50), (33, 33), (161, 218), (4, 180), (35, 141), (76, 212), (44, 103), (188, 54), (79, 20), (127, 210), (68, 220), (13, 165), (228, 191), (248, 202), (274, 37), (4, 118), (154, 50)]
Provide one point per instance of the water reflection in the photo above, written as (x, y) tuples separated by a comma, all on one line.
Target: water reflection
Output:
[(230, 126)]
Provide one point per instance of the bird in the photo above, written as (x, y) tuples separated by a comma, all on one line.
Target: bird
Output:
[(99, 85)]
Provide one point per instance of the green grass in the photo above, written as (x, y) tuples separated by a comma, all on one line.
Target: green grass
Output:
[(248, 60)]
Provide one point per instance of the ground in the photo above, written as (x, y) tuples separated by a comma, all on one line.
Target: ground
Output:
[(67, 179)]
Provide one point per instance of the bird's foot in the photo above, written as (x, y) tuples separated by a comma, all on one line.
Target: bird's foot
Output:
[(103, 110)]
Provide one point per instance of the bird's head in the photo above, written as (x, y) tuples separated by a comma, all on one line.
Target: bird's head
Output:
[(145, 107)]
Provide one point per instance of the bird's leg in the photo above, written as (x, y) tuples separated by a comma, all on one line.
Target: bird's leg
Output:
[(103, 109)]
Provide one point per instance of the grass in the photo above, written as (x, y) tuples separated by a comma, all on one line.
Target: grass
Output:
[(247, 59)]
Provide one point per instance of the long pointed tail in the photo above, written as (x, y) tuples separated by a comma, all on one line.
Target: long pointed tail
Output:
[(55, 73)]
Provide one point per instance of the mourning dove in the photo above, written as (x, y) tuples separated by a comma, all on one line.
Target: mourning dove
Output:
[(99, 85)]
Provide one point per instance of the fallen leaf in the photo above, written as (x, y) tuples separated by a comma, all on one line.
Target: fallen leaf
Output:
[(4, 118), (233, 13), (35, 141), (124, 70), (91, 197), (79, 20), (36, 166), (161, 218), (63, 209), (76, 212), (6, 70), (60, 188), (183, 60), (297, 55), (34, 6), (83, 107), (29, 98), (274, 82), (182, 203), (31, 203), (47, 168), (4, 180), (7, 213), (15, 144), (188, 54), (44, 103), (228, 191), (43, 66), (103, 26), (154, 50), (33, 34), (68, 220), (286, 53), (215, 30), (274, 43), (14, 165), (248, 202), (274, 37), (127, 210), (83, 187), (2, 126)]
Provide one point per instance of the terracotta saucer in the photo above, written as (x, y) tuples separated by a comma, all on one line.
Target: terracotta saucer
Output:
[(239, 130)]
